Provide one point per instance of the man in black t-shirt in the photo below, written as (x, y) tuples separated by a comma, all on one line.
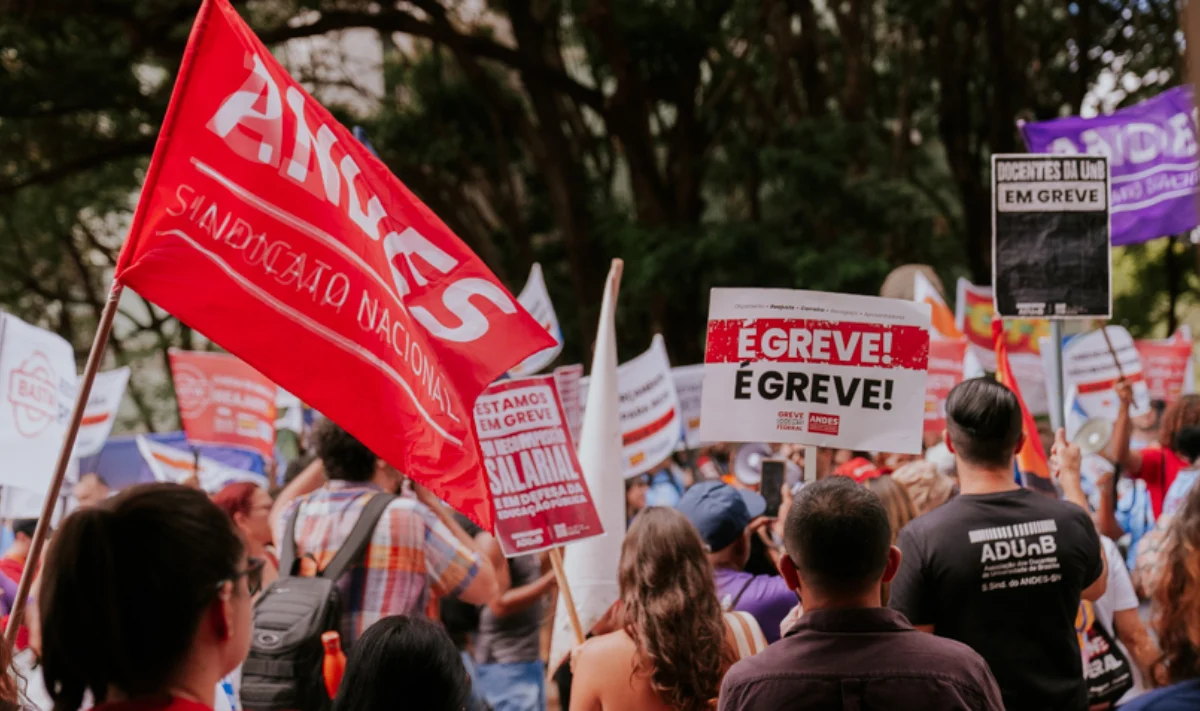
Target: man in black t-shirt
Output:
[(999, 567)]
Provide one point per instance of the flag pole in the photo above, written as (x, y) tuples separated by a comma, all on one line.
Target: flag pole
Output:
[(565, 588), (95, 356), (1113, 352)]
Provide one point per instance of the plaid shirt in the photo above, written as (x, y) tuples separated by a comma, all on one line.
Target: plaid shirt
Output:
[(411, 554)]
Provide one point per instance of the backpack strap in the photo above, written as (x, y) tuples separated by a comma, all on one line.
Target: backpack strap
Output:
[(736, 600), (355, 545), (287, 553)]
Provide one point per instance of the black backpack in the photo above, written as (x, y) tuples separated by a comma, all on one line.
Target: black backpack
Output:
[(284, 668)]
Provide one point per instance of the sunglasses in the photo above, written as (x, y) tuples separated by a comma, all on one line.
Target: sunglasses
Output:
[(253, 574)]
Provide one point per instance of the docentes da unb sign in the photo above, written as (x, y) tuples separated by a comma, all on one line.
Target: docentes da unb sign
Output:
[(537, 485), (1050, 236), (808, 367)]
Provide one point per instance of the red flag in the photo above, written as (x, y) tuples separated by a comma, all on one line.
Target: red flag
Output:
[(224, 401), (265, 226), (945, 371), (1031, 458)]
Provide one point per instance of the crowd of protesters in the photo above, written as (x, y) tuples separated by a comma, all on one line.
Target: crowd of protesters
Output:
[(884, 582)]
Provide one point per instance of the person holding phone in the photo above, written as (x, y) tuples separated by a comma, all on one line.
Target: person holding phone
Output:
[(726, 518)]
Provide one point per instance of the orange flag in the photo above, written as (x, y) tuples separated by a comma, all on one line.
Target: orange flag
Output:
[(1032, 465)]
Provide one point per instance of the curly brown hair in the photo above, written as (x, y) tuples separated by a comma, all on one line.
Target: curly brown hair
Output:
[(1184, 412), (670, 609), (1177, 596)]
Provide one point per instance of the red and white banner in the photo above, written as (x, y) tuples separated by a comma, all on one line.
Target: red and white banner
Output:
[(807, 367), (542, 500), (224, 401), (264, 222), (1090, 371), (689, 383), (568, 380), (651, 423), (101, 413), (37, 390), (945, 371), (1166, 365)]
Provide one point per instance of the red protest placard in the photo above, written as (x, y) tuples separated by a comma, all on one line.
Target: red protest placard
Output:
[(541, 498), (1164, 366), (267, 227), (945, 371), (224, 401)]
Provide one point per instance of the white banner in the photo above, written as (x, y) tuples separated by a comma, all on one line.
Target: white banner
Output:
[(651, 426), (1089, 369), (101, 413), (806, 367), (689, 382), (177, 466), (37, 391), (536, 301)]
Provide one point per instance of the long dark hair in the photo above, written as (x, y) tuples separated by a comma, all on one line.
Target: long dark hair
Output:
[(1177, 595), (125, 587), (404, 662), (671, 611)]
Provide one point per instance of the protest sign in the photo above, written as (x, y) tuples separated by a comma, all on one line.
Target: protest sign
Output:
[(945, 371), (1167, 366), (541, 498), (1050, 236), (101, 413), (651, 425), (177, 466), (689, 382), (224, 401), (806, 367), (1152, 153), (37, 387), (942, 319), (1089, 368), (264, 222), (536, 301), (567, 380)]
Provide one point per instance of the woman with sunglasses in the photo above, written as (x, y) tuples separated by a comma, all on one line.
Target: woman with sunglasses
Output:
[(145, 603)]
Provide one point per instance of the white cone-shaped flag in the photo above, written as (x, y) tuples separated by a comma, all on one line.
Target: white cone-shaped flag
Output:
[(591, 565)]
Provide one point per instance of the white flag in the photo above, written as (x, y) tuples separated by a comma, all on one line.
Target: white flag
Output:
[(101, 413), (590, 566), (37, 391), (536, 301), (176, 466)]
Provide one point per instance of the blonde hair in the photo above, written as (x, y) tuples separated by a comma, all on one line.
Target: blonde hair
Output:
[(927, 487)]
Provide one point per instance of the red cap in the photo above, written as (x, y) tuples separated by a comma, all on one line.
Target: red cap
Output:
[(859, 469)]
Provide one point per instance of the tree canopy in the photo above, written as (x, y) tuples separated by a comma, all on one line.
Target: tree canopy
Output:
[(791, 143)]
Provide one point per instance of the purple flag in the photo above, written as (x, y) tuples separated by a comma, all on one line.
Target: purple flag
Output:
[(1152, 156)]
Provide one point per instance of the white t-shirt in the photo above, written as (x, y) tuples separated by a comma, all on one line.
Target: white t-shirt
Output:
[(1118, 596)]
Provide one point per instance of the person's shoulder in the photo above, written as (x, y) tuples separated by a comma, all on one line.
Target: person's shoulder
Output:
[(948, 655), (1177, 697), (615, 649)]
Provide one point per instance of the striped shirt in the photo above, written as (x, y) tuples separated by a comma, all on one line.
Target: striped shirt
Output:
[(411, 555)]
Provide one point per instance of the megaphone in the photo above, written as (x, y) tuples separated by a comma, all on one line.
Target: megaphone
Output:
[(747, 463), (1093, 436)]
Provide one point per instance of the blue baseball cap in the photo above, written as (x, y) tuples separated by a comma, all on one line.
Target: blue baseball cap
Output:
[(720, 512)]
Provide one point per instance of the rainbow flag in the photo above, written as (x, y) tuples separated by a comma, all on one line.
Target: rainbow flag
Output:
[(1032, 465)]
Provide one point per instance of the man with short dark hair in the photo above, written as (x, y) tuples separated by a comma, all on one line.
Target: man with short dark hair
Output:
[(999, 567), (417, 549), (724, 516), (848, 651)]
